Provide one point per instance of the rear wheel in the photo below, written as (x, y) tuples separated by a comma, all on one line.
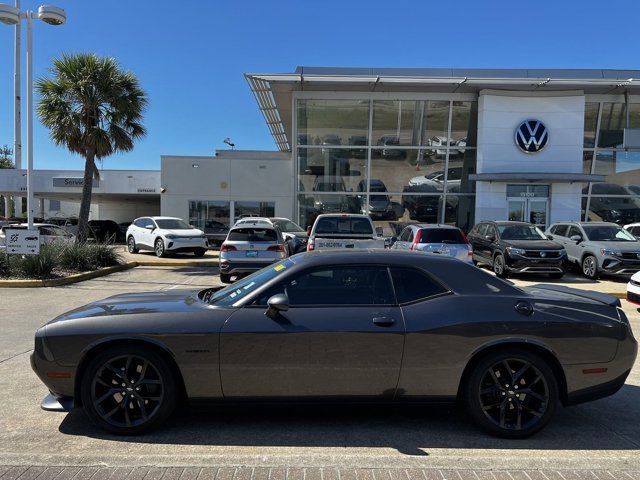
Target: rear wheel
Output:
[(131, 245), (590, 267), (127, 393), (512, 393), (225, 278), (159, 248), (499, 267)]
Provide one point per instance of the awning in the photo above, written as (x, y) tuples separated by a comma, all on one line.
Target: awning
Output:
[(537, 177)]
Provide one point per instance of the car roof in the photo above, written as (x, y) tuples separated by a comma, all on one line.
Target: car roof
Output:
[(161, 218), (509, 222), (262, 225), (349, 215), (434, 225)]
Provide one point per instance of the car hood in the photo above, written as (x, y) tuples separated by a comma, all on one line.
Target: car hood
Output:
[(533, 244), (621, 246), (192, 232), (135, 304)]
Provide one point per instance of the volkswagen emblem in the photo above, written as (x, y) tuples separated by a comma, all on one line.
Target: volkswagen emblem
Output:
[(543, 254), (531, 136)]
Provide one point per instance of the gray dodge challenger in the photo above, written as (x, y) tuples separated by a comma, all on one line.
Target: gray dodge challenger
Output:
[(341, 326)]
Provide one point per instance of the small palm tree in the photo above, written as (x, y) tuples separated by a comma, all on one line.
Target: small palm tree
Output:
[(94, 108)]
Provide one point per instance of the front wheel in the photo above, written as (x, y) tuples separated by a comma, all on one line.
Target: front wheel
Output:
[(131, 245), (499, 267), (590, 267), (159, 248), (512, 393), (127, 393)]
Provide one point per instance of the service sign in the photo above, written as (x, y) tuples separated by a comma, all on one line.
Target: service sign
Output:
[(22, 242)]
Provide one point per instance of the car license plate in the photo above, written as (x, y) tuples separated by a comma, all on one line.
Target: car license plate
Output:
[(330, 244), (252, 253)]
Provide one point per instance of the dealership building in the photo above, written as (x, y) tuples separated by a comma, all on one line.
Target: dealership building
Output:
[(432, 145)]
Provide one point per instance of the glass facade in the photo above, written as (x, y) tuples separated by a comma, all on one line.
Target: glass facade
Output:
[(396, 160), (617, 199)]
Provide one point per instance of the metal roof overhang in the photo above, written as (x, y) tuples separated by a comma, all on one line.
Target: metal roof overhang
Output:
[(537, 177), (273, 92)]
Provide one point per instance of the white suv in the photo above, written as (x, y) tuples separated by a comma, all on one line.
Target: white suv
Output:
[(165, 235)]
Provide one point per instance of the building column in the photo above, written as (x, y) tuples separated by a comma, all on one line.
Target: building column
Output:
[(17, 204), (41, 202), (7, 205)]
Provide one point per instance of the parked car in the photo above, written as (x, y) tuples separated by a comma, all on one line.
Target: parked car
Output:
[(375, 326), (439, 144), (391, 153), (344, 231), (358, 140), (426, 208), (380, 206), (633, 229), (330, 202), (437, 180), (105, 230), (294, 235), (164, 236), (250, 247), (633, 289), (49, 233), (69, 224), (516, 247), (215, 231), (598, 247), (441, 239), (618, 210)]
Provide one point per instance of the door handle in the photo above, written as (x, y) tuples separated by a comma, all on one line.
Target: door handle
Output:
[(383, 321)]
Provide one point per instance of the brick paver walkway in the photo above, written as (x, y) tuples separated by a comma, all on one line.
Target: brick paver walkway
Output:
[(250, 473)]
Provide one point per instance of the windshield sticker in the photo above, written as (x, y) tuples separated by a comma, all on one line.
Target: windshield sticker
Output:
[(279, 268)]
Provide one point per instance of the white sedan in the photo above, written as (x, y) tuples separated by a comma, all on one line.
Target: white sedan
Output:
[(633, 289)]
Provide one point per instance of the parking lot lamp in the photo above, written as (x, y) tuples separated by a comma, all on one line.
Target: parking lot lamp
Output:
[(10, 15)]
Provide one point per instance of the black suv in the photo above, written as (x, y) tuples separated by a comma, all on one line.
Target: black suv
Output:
[(516, 247)]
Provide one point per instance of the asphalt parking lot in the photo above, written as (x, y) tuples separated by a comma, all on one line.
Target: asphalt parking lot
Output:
[(596, 440)]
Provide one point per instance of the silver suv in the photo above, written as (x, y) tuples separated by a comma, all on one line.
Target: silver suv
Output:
[(597, 247), (248, 248)]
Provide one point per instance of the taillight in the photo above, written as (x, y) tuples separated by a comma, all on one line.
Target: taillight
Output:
[(464, 237), (227, 248), (416, 240), (276, 248), (310, 246), (469, 250)]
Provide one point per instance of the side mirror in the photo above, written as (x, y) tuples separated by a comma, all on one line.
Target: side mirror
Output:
[(490, 238), (576, 238), (278, 303), (393, 240), (150, 227), (308, 230), (550, 237)]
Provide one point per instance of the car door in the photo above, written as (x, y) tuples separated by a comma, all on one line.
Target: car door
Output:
[(477, 241), (573, 248), (405, 239), (342, 337), (147, 235)]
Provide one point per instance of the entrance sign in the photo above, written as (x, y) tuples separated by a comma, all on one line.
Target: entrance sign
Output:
[(22, 242), (72, 182)]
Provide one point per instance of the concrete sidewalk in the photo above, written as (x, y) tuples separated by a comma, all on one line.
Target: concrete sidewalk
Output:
[(210, 258)]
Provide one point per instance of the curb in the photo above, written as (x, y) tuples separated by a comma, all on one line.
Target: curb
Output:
[(75, 278), (186, 263)]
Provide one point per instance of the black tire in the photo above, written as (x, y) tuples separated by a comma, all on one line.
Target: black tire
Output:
[(131, 245), (589, 267), (158, 248), (500, 267), (200, 252), (225, 278), (120, 413), (496, 407)]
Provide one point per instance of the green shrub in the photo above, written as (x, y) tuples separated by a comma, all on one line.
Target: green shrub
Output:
[(80, 257), (103, 255), (4, 265), (36, 266)]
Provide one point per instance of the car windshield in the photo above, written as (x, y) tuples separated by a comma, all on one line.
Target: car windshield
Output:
[(520, 232), (441, 235), (240, 289), (288, 226), (252, 234), (172, 224), (359, 226), (607, 233)]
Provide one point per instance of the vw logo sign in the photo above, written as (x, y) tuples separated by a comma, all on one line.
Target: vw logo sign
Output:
[(531, 136)]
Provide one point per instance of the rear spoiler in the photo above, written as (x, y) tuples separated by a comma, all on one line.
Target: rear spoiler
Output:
[(597, 296)]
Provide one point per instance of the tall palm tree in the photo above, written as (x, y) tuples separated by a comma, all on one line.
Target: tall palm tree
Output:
[(94, 108)]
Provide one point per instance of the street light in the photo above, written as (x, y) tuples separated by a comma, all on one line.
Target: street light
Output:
[(11, 16)]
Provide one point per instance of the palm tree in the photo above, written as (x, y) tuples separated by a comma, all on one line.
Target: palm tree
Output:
[(94, 108)]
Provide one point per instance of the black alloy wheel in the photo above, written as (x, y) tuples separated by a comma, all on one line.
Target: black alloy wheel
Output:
[(131, 245), (512, 394), (499, 267), (127, 393), (159, 248)]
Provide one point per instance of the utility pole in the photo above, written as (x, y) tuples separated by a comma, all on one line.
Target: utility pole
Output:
[(17, 125)]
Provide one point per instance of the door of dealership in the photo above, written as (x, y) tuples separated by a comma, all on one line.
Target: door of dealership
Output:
[(528, 203)]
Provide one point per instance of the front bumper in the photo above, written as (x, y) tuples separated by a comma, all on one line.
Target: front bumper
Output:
[(618, 266), (527, 265), (633, 293), (184, 245)]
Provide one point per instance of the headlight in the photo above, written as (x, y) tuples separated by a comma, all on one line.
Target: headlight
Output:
[(516, 251), (170, 236), (613, 253)]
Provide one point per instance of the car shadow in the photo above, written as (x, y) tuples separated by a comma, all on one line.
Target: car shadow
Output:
[(409, 429)]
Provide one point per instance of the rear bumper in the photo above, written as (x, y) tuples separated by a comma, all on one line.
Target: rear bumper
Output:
[(598, 391), (244, 267)]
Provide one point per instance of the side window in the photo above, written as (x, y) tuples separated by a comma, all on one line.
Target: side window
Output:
[(405, 234), (560, 230), (410, 236), (482, 230), (46, 231), (339, 285), (412, 284), (574, 231), (491, 230)]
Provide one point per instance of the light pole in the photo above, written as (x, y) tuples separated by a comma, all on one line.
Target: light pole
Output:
[(11, 16)]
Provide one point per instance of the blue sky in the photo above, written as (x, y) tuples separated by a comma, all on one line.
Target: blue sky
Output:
[(190, 55)]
